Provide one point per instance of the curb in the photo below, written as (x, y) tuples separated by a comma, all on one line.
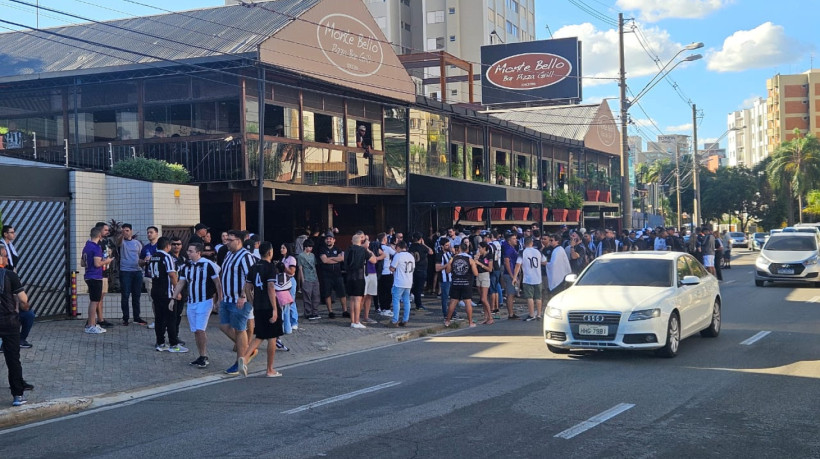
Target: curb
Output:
[(43, 410)]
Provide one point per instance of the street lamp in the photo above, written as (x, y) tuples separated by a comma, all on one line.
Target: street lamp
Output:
[(626, 192)]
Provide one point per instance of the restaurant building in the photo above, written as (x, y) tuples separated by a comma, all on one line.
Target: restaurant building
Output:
[(204, 88)]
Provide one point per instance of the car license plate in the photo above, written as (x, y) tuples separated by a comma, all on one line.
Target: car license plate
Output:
[(595, 330), (785, 271)]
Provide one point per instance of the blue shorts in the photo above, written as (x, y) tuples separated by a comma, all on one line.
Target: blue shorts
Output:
[(229, 313)]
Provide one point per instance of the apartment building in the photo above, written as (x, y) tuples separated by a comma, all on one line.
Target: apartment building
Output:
[(793, 101), (458, 27), (748, 141), (665, 147)]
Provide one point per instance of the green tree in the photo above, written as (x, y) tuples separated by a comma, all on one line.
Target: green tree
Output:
[(796, 163), (730, 190), (769, 208)]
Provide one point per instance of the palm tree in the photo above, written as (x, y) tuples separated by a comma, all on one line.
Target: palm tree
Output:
[(796, 162)]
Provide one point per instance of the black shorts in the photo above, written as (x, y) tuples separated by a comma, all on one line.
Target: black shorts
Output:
[(333, 283), (461, 292), (355, 287), (263, 329), (94, 289)]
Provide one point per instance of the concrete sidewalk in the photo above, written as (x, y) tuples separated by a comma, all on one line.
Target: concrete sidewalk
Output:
[(70, 368)]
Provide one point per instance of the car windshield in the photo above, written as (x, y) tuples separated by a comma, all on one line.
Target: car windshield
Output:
[(760, 235), (736, 234), (791, 244), (633, 272)]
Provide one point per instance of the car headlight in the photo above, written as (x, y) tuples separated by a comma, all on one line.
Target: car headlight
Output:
[(645, 314), (762, 262), (553, 312), (810, 261)]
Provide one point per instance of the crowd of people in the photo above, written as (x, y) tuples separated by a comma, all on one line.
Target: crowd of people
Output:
[(253, 287)]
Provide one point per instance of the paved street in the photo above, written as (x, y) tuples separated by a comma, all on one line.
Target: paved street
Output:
[(492, 392)]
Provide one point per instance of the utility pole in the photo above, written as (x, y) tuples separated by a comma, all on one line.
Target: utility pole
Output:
[(696, 214), (626, 192), (677, 180)]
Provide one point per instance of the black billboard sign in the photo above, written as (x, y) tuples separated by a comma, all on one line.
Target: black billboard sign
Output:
[(531, 71)]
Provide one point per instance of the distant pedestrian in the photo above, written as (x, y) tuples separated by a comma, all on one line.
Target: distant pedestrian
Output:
[(92, 260), (330, 267), (148, 250), (164, 279), (290, 314), (204, 293), (260, 290), (235, 310), (420, 252), (464, 271), (130, 272), (402, 266), (530, 263), (105, 245), (12, 294), (309, 280)]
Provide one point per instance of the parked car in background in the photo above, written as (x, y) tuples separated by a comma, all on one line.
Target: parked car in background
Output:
[(636, 300), (758, 239), (739, 240), (788, 257)]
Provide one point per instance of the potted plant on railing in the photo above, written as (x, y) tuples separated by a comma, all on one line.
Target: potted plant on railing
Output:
[(502, 173), (576, 201), (606, 190), (560, 205), (546, 201), (524, 177), (593, 183)]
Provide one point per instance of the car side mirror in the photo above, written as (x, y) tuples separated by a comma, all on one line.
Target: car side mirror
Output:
[(571, 278), (690, 280)]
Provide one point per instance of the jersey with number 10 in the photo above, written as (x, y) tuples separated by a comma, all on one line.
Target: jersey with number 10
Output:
[(404, 263), (530, 261)]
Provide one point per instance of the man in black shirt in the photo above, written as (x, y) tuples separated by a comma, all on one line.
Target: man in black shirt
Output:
[(330, 267), (199, 233), (12, 293), (164, 278), (420, 252), (259, 288)]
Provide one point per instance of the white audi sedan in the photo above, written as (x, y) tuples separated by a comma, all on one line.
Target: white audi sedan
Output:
[(634, 300)]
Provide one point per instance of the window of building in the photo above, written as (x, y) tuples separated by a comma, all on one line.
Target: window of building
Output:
[(512, 6), (452, 38), (452, 10), (454, 92), (172, 120), (435, 17), (406, 2), (512, 29), (164, 89), (405, 26), (322, 128)]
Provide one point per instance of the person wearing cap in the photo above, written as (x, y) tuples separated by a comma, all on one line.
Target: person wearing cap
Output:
[(330, 265), (199, 233)]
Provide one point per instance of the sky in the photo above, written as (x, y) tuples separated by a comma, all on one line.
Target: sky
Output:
[(745, 42)]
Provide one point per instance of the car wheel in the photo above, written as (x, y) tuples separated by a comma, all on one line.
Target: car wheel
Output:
[(758, 283), (714, 327), (672, 337), (557, 350)]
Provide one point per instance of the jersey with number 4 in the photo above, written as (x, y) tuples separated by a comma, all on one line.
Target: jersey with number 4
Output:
[(260, 274), (404, 263), (161, 264), (530, 262)]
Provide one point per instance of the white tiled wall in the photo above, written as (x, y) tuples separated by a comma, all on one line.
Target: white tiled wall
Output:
[(99, 197)]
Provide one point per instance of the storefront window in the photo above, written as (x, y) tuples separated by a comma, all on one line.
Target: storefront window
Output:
[(428, 143), (457, 160), (167, 121), (500, 171), (476, 172), (281, 121), (322, 128), (395, 147)]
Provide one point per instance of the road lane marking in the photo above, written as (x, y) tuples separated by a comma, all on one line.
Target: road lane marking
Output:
[(594, 421), (728, 281), (813, 299), (339, 398), (757, 337)]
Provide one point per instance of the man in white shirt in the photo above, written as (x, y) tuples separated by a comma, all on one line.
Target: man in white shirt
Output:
[(530, 263), (385, 277), (557, 267), (402, 266)]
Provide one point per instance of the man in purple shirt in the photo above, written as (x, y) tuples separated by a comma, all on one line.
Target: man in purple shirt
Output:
[(92, 260), (509, 255)]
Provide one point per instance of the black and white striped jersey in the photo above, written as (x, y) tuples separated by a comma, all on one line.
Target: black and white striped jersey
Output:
[(235, 270), (161, 264), (198, 279)]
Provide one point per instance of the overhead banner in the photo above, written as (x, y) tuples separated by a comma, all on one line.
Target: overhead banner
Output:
[(531, 71)]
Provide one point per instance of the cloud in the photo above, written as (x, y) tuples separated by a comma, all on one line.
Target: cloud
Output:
[(655, 10), (679, 128), (749, 102), (612, 98), (765, 46), (600, 52), (642, 122)]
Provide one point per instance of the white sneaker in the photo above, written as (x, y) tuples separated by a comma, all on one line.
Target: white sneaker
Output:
[(387, 313), (162, 347), (151, 325), (357, 325), (94, 330), (295, 327), (177, 349)]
